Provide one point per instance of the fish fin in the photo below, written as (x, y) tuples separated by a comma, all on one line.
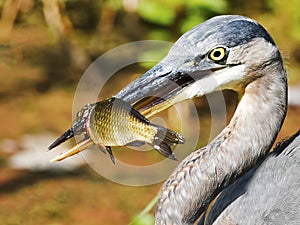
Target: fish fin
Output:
[(136, 143), (169, 136), (164, 149), (108, 149), (128, 108), (102, 148), (164, 139), (138, 115)]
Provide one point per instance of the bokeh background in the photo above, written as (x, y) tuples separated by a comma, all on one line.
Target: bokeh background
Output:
[(45, 47)]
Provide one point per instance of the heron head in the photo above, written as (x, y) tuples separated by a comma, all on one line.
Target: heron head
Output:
[(225, 52)]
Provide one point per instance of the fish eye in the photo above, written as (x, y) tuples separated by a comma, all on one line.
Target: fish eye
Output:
[(217, 54), (84, 112)]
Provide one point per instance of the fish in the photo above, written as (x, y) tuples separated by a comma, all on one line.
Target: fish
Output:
[(114, 122)]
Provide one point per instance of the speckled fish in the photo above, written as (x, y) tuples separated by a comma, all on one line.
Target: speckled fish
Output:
[(113, 122)]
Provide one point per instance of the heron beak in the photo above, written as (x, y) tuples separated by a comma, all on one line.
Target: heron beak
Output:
[(160, 88), (82, 145), (77, 129), (156, 90)]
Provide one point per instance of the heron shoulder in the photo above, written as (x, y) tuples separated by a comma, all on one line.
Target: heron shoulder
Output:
[(267, 194)]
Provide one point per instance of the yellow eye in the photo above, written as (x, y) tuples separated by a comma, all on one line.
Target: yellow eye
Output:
[(217, 54)]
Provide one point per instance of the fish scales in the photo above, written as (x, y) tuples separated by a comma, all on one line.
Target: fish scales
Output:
[(114, 123)]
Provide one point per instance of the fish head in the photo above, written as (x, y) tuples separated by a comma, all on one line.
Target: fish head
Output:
[(79, 127), (80, 123)]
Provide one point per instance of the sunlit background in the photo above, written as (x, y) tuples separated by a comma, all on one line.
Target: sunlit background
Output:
[(46, 46)]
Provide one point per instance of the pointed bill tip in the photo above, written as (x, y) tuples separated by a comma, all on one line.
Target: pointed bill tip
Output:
[(56, 159), (65, 136), (74, 150)]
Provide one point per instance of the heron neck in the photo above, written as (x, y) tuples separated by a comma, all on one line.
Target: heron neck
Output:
[(247, 138)]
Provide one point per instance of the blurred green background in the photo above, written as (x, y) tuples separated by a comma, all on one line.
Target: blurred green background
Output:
[(45, 47)]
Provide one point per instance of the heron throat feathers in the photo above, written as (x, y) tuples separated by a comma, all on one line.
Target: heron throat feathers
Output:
[(258, 117)]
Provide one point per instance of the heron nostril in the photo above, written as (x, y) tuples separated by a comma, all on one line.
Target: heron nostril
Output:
[(199, 58)]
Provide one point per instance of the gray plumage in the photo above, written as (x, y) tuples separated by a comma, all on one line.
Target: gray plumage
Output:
[(247, 61), (267, 194)]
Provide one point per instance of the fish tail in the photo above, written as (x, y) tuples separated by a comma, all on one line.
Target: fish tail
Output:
[(164, 139)]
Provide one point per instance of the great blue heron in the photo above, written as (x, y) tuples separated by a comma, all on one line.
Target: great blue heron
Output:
[(227, 52)]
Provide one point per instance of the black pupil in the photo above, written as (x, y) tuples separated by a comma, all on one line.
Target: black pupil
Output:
[(217, 54)]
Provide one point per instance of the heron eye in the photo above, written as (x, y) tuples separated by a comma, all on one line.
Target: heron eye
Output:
[(217, 54)]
